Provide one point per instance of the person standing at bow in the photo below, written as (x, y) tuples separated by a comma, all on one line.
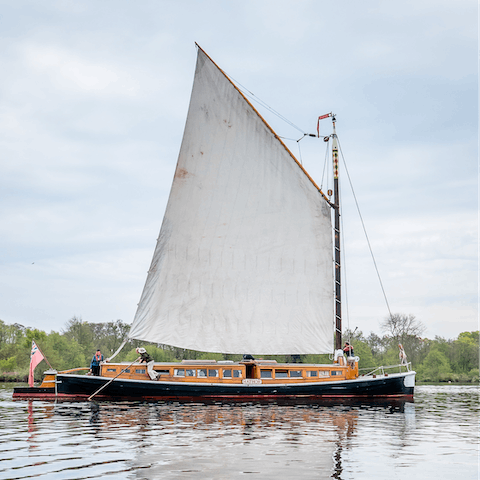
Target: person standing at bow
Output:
[(95, 363)]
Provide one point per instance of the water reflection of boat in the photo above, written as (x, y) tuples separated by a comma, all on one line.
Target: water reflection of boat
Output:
[(230, 439), (235, 439), (201, 414), (245, 263)]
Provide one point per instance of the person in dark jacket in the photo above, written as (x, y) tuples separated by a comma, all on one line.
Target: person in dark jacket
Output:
[(348, 350), (95, 363)]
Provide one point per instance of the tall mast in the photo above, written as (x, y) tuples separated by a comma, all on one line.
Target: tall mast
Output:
[(336, 206)]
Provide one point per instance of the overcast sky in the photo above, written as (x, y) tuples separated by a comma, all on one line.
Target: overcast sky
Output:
[(94, 97)]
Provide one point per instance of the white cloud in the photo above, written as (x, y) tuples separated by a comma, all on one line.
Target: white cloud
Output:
[(428, 267), (68, 71)]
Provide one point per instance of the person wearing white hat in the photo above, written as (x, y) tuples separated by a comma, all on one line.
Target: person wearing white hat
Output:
[(146, 358)]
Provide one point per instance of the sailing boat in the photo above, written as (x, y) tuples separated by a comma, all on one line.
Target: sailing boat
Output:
[(243, 264)]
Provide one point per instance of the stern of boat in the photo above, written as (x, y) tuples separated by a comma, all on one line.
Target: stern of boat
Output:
[(47, 390)]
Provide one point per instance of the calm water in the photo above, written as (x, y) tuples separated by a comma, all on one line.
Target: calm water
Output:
[(437, 436)]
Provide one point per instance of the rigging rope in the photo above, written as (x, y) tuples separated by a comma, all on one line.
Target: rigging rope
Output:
[(118, 350), (253, 97), (365, 230), (344, 266), (259, 101), (327, 151), (298, 143), (299, 153)]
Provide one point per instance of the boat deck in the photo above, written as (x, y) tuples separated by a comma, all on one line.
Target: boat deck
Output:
[(255, 372)]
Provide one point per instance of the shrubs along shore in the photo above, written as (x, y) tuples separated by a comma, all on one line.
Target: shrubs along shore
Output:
[(439, 360)]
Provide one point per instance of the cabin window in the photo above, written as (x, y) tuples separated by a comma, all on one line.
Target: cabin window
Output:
[(237, 373), (179, 372), (336, 372), (111, 369), (281, 373), (212, 372), (312, 373), (324, 373), (140, 370), (202, 372), (127, 370), (190, 373), (227, 373), (295, 373), (265, 374), (162, 372)]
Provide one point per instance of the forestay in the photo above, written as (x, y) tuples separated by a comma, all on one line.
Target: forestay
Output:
[(243, 262)]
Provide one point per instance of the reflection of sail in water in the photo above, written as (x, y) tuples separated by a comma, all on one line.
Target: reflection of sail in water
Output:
[(345, 428), (410, 423)]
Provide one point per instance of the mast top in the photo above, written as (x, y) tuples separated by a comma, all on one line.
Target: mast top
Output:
[(321, 117)]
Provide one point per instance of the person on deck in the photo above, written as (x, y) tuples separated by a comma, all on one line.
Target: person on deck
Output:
[(146, 358), (402, 355), (348, 349), (95, 363)]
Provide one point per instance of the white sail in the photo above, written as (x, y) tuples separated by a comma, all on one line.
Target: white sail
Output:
[(243, 262)]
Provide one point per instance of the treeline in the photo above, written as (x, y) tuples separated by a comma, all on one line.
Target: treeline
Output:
[(437, 360)]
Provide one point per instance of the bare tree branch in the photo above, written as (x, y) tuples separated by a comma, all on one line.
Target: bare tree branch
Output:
[(400, 326)]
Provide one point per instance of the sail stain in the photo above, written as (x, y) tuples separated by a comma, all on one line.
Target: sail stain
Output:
[(182, 173)]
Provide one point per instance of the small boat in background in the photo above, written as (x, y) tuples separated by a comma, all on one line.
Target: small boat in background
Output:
[(247, 262)]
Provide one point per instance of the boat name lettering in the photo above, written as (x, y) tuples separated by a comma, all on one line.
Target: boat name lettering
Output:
[(251, 381)]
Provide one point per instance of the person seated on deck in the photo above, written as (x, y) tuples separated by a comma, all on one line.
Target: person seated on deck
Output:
[(247, 357), (95, 363), (296, 359), (146, 358), (348, 349)]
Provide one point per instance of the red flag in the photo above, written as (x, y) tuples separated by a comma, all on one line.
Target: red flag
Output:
[(35, 358), (318, 122)]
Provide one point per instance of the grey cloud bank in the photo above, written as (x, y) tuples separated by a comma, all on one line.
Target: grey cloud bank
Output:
[(94, 99)]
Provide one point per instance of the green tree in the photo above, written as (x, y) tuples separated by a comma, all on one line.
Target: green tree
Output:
[(11, 334), (406, 330), (12, 339), (110, 335), (434, 366), (63, 353), (8, 365), (363, 351), (465, 352), (157, 353), (82, 332), (377, 345)]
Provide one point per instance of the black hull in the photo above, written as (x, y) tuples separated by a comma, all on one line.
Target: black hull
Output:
[(80, 387), (33, 392)]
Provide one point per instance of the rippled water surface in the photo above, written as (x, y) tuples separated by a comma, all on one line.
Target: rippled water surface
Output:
[(436, 436)]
